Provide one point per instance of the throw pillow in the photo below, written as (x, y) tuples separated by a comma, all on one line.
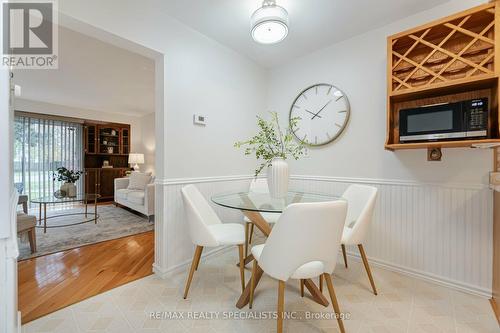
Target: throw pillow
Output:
[(138, 181)]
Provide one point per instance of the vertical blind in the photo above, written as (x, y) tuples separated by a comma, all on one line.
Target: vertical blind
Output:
[(40, 147)]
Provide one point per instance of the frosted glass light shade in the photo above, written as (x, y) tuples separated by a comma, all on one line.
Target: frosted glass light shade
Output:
[(269, 24)]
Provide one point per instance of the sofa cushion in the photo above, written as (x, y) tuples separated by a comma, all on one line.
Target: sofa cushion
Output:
[(136, 197), (138, 181), (122, 193)]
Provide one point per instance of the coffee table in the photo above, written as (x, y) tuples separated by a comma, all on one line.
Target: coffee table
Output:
[(52, 200)]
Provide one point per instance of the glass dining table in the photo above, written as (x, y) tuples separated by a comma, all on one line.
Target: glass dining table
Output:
[(252, 204)]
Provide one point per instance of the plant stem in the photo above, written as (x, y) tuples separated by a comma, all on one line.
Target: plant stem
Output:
[(280, 134)]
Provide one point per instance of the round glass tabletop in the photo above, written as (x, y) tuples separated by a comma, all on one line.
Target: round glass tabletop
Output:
[(79, 197), (263, 202)]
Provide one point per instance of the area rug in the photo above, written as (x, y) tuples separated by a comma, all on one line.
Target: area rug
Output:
[(114, 222)]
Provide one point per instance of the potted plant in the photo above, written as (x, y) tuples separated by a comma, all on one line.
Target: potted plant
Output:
[(69, 177), (273, 147)]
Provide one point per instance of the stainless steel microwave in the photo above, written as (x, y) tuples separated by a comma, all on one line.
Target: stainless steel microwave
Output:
[(448, 121)]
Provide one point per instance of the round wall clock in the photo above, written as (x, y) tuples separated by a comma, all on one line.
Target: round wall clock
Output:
[(324, 112)]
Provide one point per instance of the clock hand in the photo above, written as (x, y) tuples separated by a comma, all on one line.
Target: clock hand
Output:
[(312, 113), (317, 114)]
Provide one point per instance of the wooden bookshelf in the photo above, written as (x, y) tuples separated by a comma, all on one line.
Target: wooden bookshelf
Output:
[(105, 142), (448, 60)]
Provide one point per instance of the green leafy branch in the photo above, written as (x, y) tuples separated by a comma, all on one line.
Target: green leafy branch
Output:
[(271, 142), (65, 175)]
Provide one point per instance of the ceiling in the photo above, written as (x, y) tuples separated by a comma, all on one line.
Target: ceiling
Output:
[(314, 24), (93, 75)]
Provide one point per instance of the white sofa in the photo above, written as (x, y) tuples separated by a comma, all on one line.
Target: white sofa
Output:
[(138, 200)]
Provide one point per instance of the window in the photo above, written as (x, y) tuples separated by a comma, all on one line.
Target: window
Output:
[(41, 146)]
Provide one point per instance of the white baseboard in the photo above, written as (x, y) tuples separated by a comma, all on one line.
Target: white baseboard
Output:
[(164, 273), (456, 285)]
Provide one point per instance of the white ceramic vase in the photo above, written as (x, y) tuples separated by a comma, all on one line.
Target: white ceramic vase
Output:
[(69, 189), (277, 178)]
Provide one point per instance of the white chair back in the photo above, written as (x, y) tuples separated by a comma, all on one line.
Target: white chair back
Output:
[(199, 215), (305, 232), (361, 199), (259, 185)]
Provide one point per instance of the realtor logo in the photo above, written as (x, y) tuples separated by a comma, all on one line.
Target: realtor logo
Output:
[(29, 34)]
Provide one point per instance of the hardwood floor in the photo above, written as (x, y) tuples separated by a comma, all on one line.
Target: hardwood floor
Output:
[(52, 282)]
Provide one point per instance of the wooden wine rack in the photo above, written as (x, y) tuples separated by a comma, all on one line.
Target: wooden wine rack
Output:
[(444, 61), (461, 48)]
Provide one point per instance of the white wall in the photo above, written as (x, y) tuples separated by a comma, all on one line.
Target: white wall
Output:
[(428, 213), (69, 111), (148, 142), (199, 76), (358, 67)]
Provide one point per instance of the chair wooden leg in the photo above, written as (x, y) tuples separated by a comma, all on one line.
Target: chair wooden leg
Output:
[(281, 304), (32, 239), (196, 260), (301, 288), (367, 267), (252, 283), (247, 226), (344, 254), (250, 236), (321, 283), (335, 304), (242, 267)]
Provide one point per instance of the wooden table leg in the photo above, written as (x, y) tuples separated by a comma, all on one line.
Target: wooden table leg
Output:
[(247, 260), (259, 221), (40, 214), (245, 296), (315, 293), (95, 209)]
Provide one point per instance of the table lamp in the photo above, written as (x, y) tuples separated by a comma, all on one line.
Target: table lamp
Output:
[(136, 159)]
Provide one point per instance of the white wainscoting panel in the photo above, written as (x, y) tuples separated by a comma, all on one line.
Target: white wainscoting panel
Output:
[(178, 250), (439, 232), (435, 231)]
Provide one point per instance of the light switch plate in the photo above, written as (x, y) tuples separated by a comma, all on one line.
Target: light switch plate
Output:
[(494, 178), (17, 90), (200, 120)]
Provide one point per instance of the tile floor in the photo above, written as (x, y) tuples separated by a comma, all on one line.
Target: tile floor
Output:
[(403, 305)]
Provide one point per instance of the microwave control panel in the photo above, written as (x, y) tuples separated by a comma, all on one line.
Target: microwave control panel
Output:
[(476, 114)]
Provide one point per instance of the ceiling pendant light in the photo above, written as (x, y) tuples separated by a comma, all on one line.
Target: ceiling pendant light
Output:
[(269, 23)]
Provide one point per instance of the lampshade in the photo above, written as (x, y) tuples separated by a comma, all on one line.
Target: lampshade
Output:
[(136, 158), (269, 23)]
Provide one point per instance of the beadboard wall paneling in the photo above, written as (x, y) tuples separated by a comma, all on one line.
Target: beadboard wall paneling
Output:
[(179, 249), (440, 232)]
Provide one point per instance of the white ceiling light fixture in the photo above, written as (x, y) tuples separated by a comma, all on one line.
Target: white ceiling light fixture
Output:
[(269, 23)]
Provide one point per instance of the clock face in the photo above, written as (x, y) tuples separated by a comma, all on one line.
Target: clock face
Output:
[(324, 113)]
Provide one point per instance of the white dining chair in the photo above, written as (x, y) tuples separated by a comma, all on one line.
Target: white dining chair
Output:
[(300, 247), (207, 230), (258, 185), (361, 202)]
